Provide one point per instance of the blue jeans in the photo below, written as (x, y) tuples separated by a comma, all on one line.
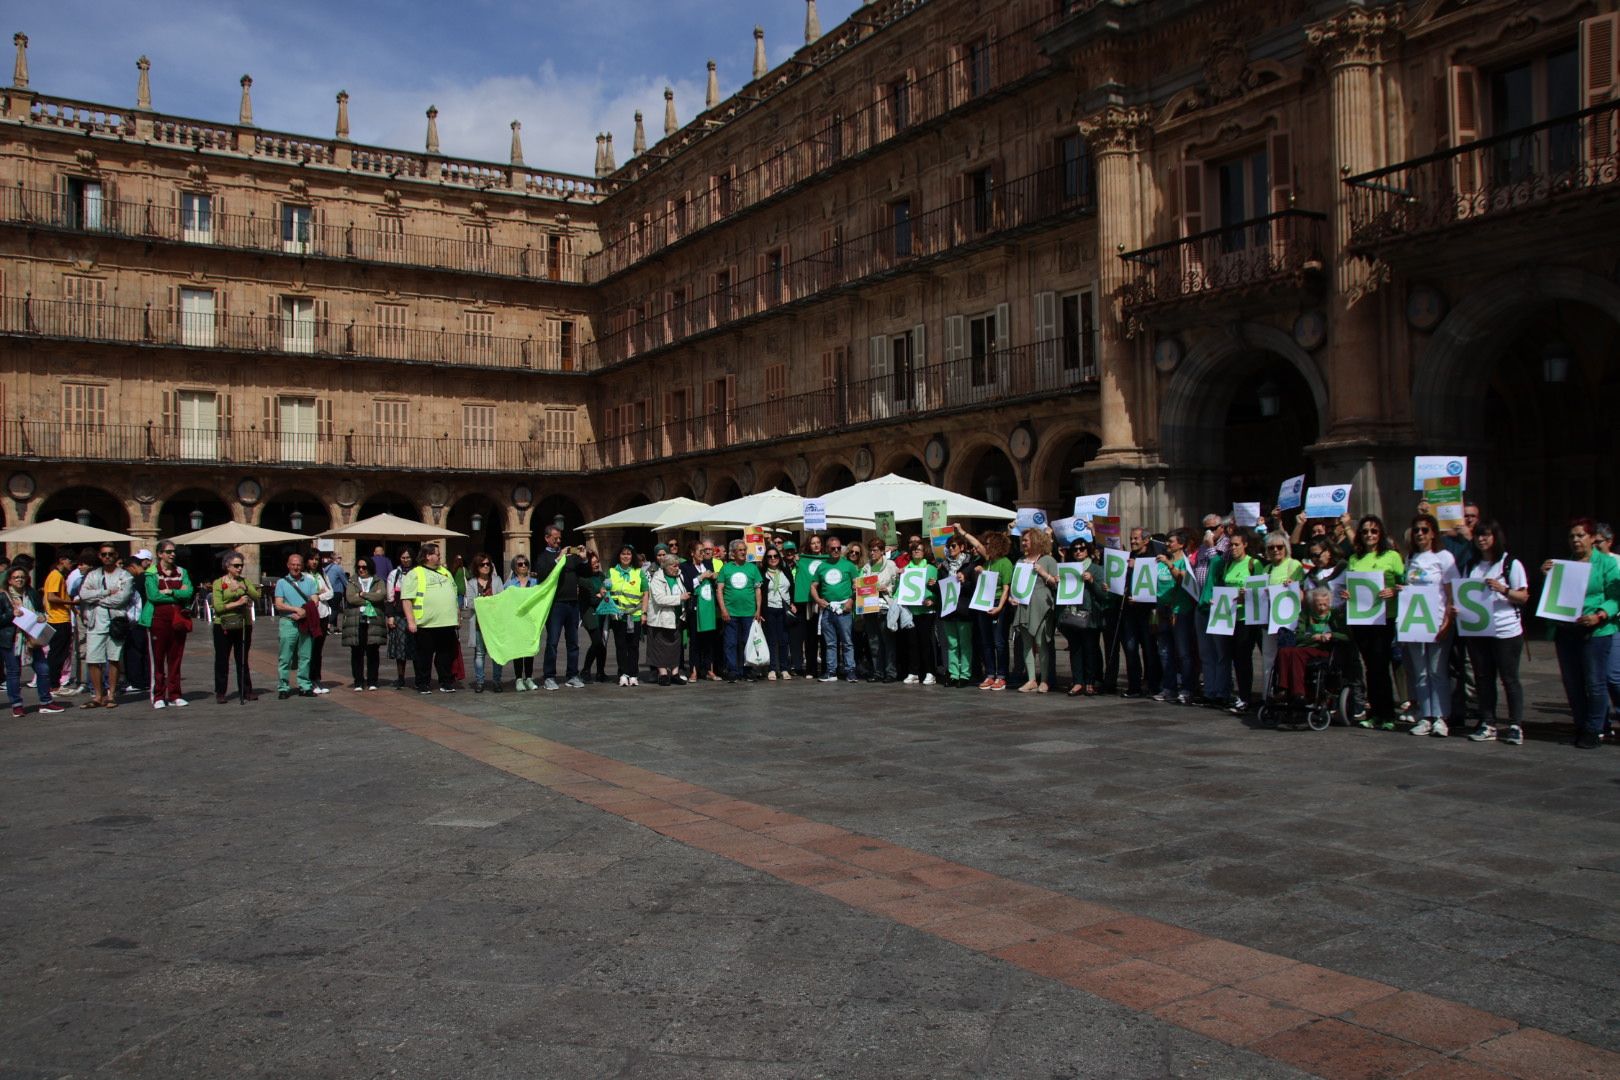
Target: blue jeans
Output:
[(480, 656), (1217, 676), (991, 635), (776, 636), (838, 639), (42, 676), (1428, 668), (1583, 661), (562, 622), (735, 635), (1178, 642)]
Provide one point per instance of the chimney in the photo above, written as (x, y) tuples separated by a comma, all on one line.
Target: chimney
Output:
[(143, 86), (760, 67)]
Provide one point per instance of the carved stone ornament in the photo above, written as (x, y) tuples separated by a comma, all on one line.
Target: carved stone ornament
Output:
[(479, 208), (522, 497), (655, 489), (145, 489), (347, 493), (1357, 36), (86, 159), (699, 483), (249, 491), (437, 494), (1118, 130), (197, 174), (799, 470), (391, 196), (299, 187), (21, 486), (863, 464), (746, 478)]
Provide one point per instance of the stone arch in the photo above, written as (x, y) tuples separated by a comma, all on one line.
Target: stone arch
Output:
[(105, 510), (1057, 446), (775, 476), (1448, 387), (389, 502), (488, 536), (723, 487), (1191, 409), (905, 462), (832, 474), (965, 457), (175, 516)]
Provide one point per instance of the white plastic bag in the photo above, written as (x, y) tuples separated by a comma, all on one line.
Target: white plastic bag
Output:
[(756, 653)]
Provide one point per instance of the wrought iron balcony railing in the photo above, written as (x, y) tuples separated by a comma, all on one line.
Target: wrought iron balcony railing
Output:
[(978, 73), (1276, 249), (1533, 168), (50, 440), (1041, 369), (911, 240), (282, 234), (297, 333)]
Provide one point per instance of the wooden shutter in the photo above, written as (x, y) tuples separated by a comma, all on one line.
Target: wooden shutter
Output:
[(1046, 333), (323, 418), (877, 376), (269, 424), (1462, 101), (227, 416), (171, 317), (1192, 217), (323, 326), (919, 365), (1280, 150), (1600, 79), (171, 413)]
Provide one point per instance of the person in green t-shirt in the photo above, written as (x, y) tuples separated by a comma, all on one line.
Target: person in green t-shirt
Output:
[(990, 627), (739, 597), (1281, 569), (832, 591), (1175, 635), (1374, 552)]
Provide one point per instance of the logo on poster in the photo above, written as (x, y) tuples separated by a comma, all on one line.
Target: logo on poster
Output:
[(1454, 468)]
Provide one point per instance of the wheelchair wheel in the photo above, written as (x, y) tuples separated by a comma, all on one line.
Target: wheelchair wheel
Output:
[(1344, 705), (1319, 717), (1267, 715)]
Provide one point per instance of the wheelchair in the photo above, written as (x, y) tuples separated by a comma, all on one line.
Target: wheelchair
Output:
[(1331, 698)]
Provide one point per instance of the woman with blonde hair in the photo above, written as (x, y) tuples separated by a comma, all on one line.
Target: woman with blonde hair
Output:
[(1035, 618)]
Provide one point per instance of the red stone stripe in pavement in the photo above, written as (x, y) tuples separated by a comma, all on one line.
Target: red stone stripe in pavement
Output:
[(1322, 1021)]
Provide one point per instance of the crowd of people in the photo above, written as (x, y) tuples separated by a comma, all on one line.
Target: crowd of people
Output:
[(989, 617)]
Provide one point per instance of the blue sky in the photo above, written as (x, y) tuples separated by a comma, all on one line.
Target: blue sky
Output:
[(566, 68)]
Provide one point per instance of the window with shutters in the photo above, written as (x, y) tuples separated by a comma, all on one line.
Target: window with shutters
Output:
[(297, 424), (390, 419), (776, 398), (560, 428), (567, 344), (478, 335), (86, 203), (776, 169), (723, 192), (479, 242), (297, 324), (981, 184), (722, 296), (391, 336), (196, 218), (902, 369), (84, 405), (900, 227), (1542, 88), (197, 416), (1242, 188), (720, 405), (678, 418), (86, 306), (197, 318), (983, 364), (390, 233), (976, 65), (675, 315), (478, 435), (1074, 168), (898, 97), (775, 279), (1079, 334), (555, 250), (683, 215), (296, 227)]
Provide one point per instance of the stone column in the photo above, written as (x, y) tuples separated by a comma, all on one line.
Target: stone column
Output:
[(1361, 374), (514, 536)]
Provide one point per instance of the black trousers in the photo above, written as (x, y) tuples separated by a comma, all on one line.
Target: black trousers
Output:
[(366, 657), (231, 650), (435, 650)]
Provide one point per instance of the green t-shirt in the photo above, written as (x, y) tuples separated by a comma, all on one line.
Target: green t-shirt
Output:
[(1285, 572), (737, 584), (804, 573), (1171, 592), (1392, 566), (836, 580), (1002, 568)]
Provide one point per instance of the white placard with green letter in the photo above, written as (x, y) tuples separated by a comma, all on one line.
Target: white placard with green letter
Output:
[(1419, 610), (1116, 565), (1364, 606), (1285, 604), (1256, 601), (1223, 604), (1071, 589), (1023, 582), (984, 594), (1474, 615), (1564, 593), (950, 592), (1145, 581), (913, 588)]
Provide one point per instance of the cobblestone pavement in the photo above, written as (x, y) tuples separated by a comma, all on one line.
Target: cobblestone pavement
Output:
[(796, 880)]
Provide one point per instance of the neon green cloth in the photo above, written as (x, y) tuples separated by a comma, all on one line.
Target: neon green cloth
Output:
[(513, 620)]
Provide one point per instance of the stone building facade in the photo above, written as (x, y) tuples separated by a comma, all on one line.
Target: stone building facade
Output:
[(1178, 250)]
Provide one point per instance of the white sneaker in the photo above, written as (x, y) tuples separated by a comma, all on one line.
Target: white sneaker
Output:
[(1422, 727), (634, 681), (770, 676), (179, 703), (159, 703), (787, 676), (322, 690), (624, 680), (1439, 729), (909, 680), (929, 680)]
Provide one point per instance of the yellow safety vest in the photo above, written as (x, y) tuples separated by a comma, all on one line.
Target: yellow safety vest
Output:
[(421, 573), (625, 586)]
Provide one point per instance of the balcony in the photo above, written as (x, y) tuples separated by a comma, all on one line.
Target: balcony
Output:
[(289, 335), (1253, 266), (1551, 187), (908, 107), (49, 440), (910, 242), (1029, 372), (148, 222)]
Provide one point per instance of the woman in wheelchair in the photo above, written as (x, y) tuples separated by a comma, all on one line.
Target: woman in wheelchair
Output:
[(1320, 635)]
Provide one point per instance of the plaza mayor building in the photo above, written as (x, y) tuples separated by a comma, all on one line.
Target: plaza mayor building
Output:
[(1175, 250)]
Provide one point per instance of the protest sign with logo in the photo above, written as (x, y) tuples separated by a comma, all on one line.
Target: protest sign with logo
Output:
[(1292, 493), (1327, 501), (1089, 506), (1106, 531), (1444, 494), (815, 515), (1067, 530), (1031, 518), (867, 600), (1431, 466), (933, 515), (754, 537)]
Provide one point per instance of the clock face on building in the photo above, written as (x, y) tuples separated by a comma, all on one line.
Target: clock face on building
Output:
[(934, 454), (1425, 307), (1166, 355), (1021, 442), (1310, 330)]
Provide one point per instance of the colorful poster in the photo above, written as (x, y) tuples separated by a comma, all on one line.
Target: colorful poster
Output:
[(1327, 501), (913, 587), (883, 520), (1116, 567), (1292, 493), (1071, 588), (1087, 507), (1475, 617), (1444, 494), (1419, 610), (986, 591), (1106, 531), (815, 515), (938, 538), (1364, 607), (1285, 602), (1564, 593), (1145, 581), (950, 593), (934, 511), (867, 600), (1023, 582), (1223, 604), (754, 537), (1246, 515), (1431, 466)]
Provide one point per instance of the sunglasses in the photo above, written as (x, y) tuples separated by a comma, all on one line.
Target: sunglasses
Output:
[(1422, 530), (108, 554), (520, 566), (167, 551), (1369, 532), (233, 566)]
